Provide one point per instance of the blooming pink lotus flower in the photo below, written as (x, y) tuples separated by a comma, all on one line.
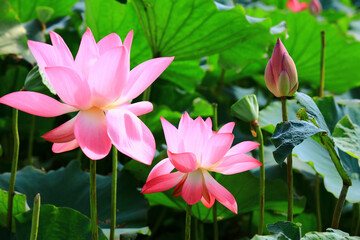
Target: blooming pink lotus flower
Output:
[(315, 7), (296, 6), (280, 73), (98, 85), (194, 150)]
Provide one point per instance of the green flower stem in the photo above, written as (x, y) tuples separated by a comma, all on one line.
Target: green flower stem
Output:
[(13, 167), (113, 192), (289, 167), (321, 93), (31, 140), (322, 65), (329, 145), (355, 220), (317, 200), (93, 204), (260, 139), (188, 222), (339, 206), (35, 218), (215, 127)]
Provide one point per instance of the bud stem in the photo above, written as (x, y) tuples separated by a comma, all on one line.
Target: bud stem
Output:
[(289, 168), (188, 222), (322, 65), (14, 166), (113, 193), (93, 202), (262, 178)]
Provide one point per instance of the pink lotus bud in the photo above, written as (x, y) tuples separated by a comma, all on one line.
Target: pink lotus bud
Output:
[(315, 7), (280, 73), (296, 6)]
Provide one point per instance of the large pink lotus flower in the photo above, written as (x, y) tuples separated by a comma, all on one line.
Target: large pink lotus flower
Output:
[(280, 72), (99, 85), (296, 6), (194, 150)]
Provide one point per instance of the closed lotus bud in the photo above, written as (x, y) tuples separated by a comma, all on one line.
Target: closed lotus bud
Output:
[(315, 7), (296, 6), (246, 109), (280, 73)]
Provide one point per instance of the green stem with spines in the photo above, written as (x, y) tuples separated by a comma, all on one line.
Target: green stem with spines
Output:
[(14, 166), (260, 139), (35, 218), (188, 222), (93, 201), (113, 192), (290, 177)]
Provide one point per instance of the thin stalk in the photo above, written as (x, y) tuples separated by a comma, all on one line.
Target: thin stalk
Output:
[(329, 145), (289, 168), (317, 200), (215, 127), (35, 218), (113, 192), (322, 65), (188, 222), (260, 139), (321, 93), (93, 204), (355, 220), (31, 140), (339, 206), (13, 167)]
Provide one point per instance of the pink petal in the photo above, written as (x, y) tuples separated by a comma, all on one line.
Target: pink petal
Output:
[(227, 128), (215, 148), (36, 103), (143, 75), (192, 190), (109, 42), (162, 183), (63, 133), (90, 132), (88, 53), (184, 162), (128, 40), (108, 76), (44, 54), (208, 123), (195, 137), (70, 86), (185, 123), (162, 168), (242, 147), (172, 137), (220, 193), (138, 108), (208, 199), (64, 147), (236, 164), (61, 50), (277, 58), (130, 135)]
